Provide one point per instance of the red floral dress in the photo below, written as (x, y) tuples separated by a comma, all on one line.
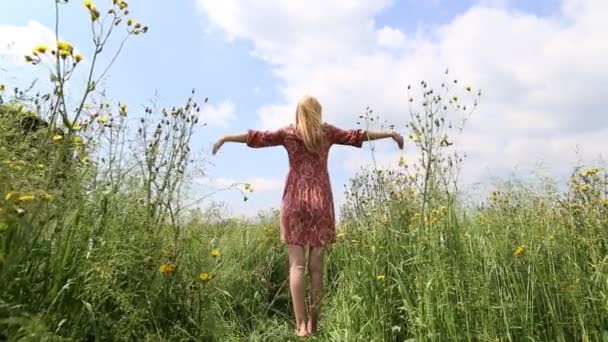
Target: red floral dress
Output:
[(307, 208)]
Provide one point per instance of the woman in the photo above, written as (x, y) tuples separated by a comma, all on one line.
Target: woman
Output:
[(307, 209)]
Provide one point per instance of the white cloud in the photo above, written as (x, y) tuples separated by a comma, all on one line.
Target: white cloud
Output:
[(218, 115), (390, 37), (18, 41), (542, 76)]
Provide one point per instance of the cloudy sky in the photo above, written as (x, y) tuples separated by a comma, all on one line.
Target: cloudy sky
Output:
[(542, 65)]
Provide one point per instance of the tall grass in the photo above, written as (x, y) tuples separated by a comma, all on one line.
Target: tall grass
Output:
[(100, 239)]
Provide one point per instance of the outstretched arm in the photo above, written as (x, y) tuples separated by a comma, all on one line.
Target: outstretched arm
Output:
[(237, 138), (370, 135)]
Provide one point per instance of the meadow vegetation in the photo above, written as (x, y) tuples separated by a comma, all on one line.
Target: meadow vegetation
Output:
[(101, 240)]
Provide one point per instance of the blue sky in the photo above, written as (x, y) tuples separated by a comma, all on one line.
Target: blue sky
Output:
[(188, 46)]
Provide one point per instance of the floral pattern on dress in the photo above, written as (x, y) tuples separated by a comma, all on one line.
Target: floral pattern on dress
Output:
[(307, 207)]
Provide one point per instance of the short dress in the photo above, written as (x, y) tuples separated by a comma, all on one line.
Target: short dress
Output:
[(307, 207)]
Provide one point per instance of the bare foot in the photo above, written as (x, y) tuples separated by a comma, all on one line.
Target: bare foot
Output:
[(302, 331), (311, 325)]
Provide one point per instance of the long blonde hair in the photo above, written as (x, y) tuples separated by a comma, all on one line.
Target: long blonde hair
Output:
[(308, 122)]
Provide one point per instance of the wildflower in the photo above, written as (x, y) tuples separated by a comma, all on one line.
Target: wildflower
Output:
[(2, 87), (103, 119), (167, 268), (401, 161), (122, 5), (29, 59), (42, 49), (129, 22), (76, 127), (85, 160), (468, 88), (122, 108), (92, 9), (47, 197), (9, 196), (341, 235), (78, 58), (519, 250), (205, 276), (64, 54), (248, 187), (65, 46), (26, 198), (57, 137), (380, 277), (77, 140), (215, 253), (455, 98)]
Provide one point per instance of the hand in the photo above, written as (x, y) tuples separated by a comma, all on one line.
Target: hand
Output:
[(398, 139), (217, 145)]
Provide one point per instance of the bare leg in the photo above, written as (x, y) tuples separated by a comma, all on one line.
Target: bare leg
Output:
[(315, 268), (297, 261)]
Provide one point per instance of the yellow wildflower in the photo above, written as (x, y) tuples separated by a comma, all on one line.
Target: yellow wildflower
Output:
[(167, 268), (519, 250), (380, 277), (401, 161), (129, 22), (29, 59), (9, 196), (47, 197), (26, 198), (85, 160), (78, 58), (468, 88), (64, 54), (2, 87), (76, 140), (122, 5), (57, 137), (455, 98), (215, 253), (103, 119), (341, 235), (76, 127), (123, 108), (41, 48), (205, 276), (65, 46)]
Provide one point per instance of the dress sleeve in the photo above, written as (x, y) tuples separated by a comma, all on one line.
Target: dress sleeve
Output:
[(258, 139), (352, 137)]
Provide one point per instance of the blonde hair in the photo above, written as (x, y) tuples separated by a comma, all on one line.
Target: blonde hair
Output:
[(308, 122)]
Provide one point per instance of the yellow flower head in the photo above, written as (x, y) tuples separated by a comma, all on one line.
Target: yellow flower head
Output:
[(519, 250), (9, 196), (129, 22), (2, 87), (64, 54), (341, 235), (468, 88), (65, 46), (122, 108), (41, 49), (76, 127), (26, 198), (205, 276), (103, 119), (401, 161), (215, 253), (455, 98), (29, 59), (57, 137), (167, 268), (122, 5), (78, 58), (85, 160), (380, 277), (77, 140), (47, 197)]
